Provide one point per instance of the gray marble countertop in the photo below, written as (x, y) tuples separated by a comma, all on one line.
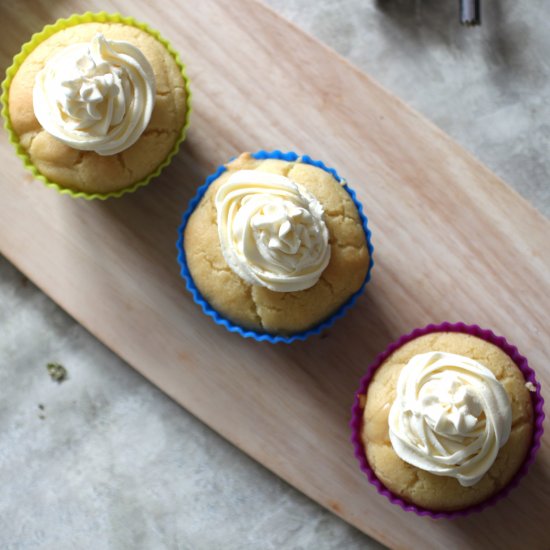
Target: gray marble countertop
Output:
[(104, 459)]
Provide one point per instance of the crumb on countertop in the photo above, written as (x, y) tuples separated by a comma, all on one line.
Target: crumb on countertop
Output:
[(57, 372)]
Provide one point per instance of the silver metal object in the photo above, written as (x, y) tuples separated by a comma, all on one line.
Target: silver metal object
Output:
[(470, 12)]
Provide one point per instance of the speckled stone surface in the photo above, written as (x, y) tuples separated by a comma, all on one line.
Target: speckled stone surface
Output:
[(104, 460), (109, 461)]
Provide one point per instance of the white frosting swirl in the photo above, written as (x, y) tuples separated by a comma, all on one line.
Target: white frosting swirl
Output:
[(97, 96), (450, 416), (272, 231)]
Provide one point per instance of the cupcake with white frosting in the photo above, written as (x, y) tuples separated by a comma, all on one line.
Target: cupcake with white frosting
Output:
[(447, 419), (275, 246), (96, 104)]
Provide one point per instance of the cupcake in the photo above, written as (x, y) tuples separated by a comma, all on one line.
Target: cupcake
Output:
[(96, 104), (275, 246), (447, 420)]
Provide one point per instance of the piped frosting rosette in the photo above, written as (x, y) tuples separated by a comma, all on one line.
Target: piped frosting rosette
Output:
[(272, 231), (450, 416), (96, 96)]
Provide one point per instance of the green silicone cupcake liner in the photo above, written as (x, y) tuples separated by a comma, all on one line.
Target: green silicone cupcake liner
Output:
[(38, 38)]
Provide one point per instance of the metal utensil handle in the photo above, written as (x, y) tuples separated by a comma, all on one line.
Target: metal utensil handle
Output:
[(470, 12)]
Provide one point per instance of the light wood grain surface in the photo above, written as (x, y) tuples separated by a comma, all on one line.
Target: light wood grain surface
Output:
[(452, 242)]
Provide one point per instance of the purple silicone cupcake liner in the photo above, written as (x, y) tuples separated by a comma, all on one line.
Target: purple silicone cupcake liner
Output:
[(229, 325), (536, 397)]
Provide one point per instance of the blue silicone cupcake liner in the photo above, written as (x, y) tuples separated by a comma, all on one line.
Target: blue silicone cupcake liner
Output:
[(229, 325)]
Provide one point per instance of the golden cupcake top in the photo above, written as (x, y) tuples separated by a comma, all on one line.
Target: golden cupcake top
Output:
[(112, 99), (286, 224), (447, 421)]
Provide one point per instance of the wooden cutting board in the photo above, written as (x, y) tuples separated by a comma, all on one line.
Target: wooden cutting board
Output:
[(452, 242)]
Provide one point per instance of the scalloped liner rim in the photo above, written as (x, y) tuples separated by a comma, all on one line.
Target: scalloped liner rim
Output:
[(537, 399), (262, 336), (44, 34)]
